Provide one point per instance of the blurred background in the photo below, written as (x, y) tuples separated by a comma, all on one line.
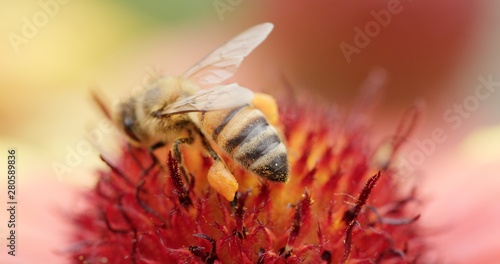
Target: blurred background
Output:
[(52, 52)]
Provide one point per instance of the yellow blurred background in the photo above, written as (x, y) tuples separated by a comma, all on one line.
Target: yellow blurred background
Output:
[(52, 51)]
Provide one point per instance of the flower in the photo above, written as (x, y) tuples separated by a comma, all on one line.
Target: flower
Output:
[(341, 204)]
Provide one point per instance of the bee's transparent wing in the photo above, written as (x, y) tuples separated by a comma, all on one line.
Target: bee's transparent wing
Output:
[(223, 62), (218, 98)]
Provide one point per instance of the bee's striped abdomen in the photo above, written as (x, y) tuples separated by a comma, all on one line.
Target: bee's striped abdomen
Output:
[(245, 134)]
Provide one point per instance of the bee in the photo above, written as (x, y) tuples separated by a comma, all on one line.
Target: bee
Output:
[(177, 109)]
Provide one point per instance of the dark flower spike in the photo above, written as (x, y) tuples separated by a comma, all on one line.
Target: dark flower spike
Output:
[(146, 208), (386, 152), (300, 220), (326, 256), (206, 257), (363, 196), (392, 221), (408, 123), (308, 178), (175, 175), (117, 172), (239, 209)]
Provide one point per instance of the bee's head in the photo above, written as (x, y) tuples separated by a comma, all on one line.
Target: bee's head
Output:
[(127, 121)]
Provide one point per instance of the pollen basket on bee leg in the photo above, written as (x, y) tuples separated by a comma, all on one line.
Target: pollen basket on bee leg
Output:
[(222, 180)]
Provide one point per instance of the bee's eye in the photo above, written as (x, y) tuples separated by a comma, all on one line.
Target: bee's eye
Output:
[(128, 125)]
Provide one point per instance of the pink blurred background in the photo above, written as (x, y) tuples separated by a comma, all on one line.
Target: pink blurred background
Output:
[(435, 50)]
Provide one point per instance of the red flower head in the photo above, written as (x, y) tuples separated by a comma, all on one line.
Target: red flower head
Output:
[(340, 205)]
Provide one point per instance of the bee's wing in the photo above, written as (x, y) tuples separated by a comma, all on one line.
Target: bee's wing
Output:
[(218, 98), (223, 62)]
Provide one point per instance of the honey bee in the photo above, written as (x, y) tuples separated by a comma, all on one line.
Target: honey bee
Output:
[(177, 109)]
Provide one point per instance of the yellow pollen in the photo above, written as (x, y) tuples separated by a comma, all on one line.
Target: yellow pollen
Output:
[(222, 180)]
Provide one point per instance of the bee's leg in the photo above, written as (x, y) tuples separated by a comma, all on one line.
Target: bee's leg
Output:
[(154, 159), (219, 176), (208, 147), (142, 180), (178, 154), (152, 156)]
